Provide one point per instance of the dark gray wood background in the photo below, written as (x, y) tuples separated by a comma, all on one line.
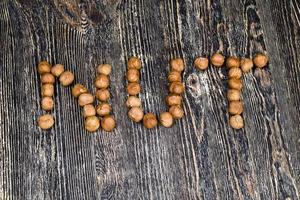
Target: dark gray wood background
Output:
[(201, 157)]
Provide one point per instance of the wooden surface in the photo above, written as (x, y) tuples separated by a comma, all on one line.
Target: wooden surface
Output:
[(201, 157)]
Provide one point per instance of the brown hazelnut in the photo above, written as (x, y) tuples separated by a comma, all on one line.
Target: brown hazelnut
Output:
[(47, 103), (235, 107), (135, 114), (234, 83), (133, 75), (66, 78), (85, 98), (134, 63), (176, 111), (235, 72), (232, 62), (78, 89), (57, 70), (246, 64), (166, 119), (174, 76), (233, 95), (46, 121), (92, 124), (102, 81), (133, 88), (217, 60), (104, 69), (260, 60), (201, 63), (173, 99), (47, 90), (102, 94), (47, 78), (88, 110), (177, 64), (133, 101), (149, 120), (103, 109), (236, 122), (44, 67), (176, 87), (108, 123)]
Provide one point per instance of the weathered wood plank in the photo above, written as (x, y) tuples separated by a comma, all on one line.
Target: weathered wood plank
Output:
[(283, 36), (201, 157), (210, 96), (246, 39)]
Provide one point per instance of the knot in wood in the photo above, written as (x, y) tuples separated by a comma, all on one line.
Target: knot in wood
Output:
[(197, 86)]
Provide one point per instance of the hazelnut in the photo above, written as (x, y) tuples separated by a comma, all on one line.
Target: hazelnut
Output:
[(47, 103), (201, 63), (78, 89), (234, 83), (66, 78), (102, 81), (135, 114), (246, 65), (260, 60), (44, 67), (173, 99), (233, 95), (217, 60), (134, 63), (46, 121), (133, 88), (235, 107), (174, 76), (88, 110), (47, 78), (108, 123), (149, 120), (232, 62), (57, 70), (92, 124), (133, 101), (176, 88), (166, 119), (47, 90), (85, 98), (177, 64), (176, 111), (102, 95), (103, 109), (133, 75), (235, 72), (236, 122), (104, 69)]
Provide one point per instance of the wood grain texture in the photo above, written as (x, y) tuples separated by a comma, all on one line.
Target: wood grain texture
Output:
[(200, 157)]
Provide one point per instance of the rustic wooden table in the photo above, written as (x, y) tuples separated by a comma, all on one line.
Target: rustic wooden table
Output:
[(201, 157)]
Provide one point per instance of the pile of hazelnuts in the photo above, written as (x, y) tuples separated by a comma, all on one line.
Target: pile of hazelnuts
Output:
[(173, 100), (47, 77), (85, 98), (104, 109), (236, 66)]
